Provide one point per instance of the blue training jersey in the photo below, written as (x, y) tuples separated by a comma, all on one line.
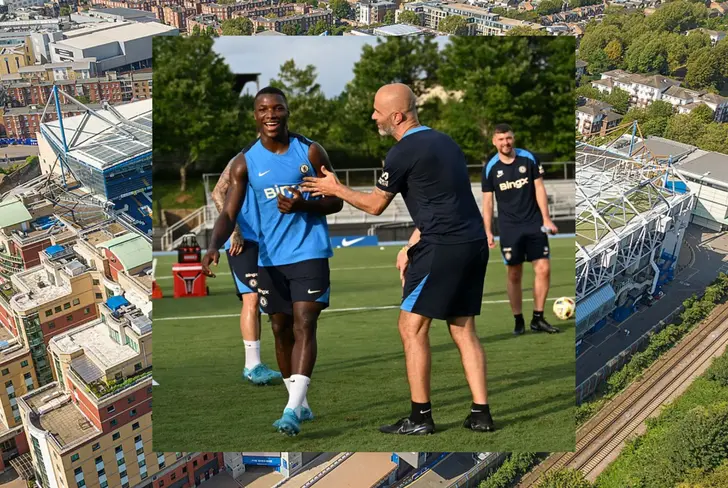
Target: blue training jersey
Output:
[(248, 220), (284, 238)]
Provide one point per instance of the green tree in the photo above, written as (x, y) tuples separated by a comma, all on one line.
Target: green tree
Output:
[(196, 30), (65, 11), (684, 128), (31, 159), (564, 478), (535, 101), (237, 26), (289, 30), (389, 17), (522, 30), (454, 24), (83, 99), (195, 108), (678, 16), (319, 28), (548, 7), (409, 17), (619, 99), (341, 9), (310, 111), (703, 113), (225, 2), (704, 70), (210, 31), (715, 138), (592, 45), (647, 54)]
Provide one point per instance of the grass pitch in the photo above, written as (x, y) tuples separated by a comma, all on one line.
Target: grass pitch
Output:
[(359, 383)]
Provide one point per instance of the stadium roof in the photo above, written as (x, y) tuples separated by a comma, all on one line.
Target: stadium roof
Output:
[(399, 30), (131, 249), (701, 162), (13, 212), (115, 33), (102, 145)]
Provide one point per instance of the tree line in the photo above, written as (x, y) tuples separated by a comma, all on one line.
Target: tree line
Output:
[(200, 123), (629, 40)]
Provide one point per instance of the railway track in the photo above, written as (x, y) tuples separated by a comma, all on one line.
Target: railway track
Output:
[(602, 437)]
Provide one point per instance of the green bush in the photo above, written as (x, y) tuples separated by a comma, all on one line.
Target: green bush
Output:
[(718, 371), (513, 468), (564, 478)]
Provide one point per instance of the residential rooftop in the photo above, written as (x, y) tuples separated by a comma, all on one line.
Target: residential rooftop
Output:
[(53, 411)]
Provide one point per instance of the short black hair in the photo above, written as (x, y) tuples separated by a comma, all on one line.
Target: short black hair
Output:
[(270, 90), (502, 129)]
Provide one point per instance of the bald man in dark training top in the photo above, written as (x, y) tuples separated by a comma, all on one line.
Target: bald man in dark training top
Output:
[(443, 265)]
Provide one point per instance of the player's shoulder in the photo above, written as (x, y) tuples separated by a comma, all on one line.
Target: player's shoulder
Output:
[(249, 147), (524, 153), (295, 136), (490, 163)]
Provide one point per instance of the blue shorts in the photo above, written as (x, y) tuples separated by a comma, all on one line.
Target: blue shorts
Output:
[(279, 287), (244, 268)]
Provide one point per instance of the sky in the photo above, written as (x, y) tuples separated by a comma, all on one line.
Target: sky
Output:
[(334, 57)]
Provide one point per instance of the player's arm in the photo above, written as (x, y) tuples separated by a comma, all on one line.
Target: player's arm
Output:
[(374, 202), (488, 204), (328, 204), (225, 222), (218, 198), (542, 198), (414, 239)]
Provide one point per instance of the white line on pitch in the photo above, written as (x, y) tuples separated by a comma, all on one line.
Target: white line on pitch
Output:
[(353, 309), (169, 277)]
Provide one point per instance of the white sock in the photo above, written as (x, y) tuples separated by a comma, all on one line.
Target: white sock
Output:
[(287, 382), (297, 388), (252, 354)]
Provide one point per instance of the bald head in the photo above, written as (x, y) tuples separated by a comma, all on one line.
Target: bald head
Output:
[(395, 110)]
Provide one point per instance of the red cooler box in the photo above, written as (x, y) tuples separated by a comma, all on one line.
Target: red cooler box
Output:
[(189, 280)]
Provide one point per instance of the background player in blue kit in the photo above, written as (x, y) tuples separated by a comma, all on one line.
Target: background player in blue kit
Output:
[(242, 256), (443, 266), (515, 178), (294, 244)]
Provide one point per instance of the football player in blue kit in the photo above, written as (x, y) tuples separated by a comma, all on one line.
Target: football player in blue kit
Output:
[(242, 256), (294, 246)]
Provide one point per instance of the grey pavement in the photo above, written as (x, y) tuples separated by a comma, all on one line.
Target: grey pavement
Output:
[(708, 252)]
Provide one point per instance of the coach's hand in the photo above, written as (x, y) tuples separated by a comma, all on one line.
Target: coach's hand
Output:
[(212, 256), (289, 205), (402, 263), (491, 239), (548, 223), (236, 243), (324, 186)]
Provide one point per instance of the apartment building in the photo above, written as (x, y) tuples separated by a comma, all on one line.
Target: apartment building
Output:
[(306, 21), (480, 20), (373, 12), (595, 117)]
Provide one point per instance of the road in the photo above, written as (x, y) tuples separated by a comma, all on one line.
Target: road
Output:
[(361, 470), (707, 251)]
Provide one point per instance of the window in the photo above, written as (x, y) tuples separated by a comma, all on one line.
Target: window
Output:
[(130, 399), (161, 483), (76, 301), (78, 471), (137, 366), (138, 438), (110, 409), (86, 311), (58, 309), (184, 469), (51, 325), (118, 449), (135, 426), (24, 364), (6, 371), (69, 318), (149, 390), (132, 412), (204, 458), (194, 464), (66, 306), (74, 458), (113, 423), (27, 376), (8, 384), (122, 473), (49, 313), (173, 476), (144, 475), (99, 296), (115, 436), (96, 282), (96, 447), (99, 459)]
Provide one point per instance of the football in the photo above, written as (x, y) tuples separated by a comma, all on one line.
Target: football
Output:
[(564, 308)]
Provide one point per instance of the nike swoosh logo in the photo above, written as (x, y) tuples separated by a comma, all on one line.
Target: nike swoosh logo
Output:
[(264, 173), (311, 292), (346, 243), (425, 411)]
